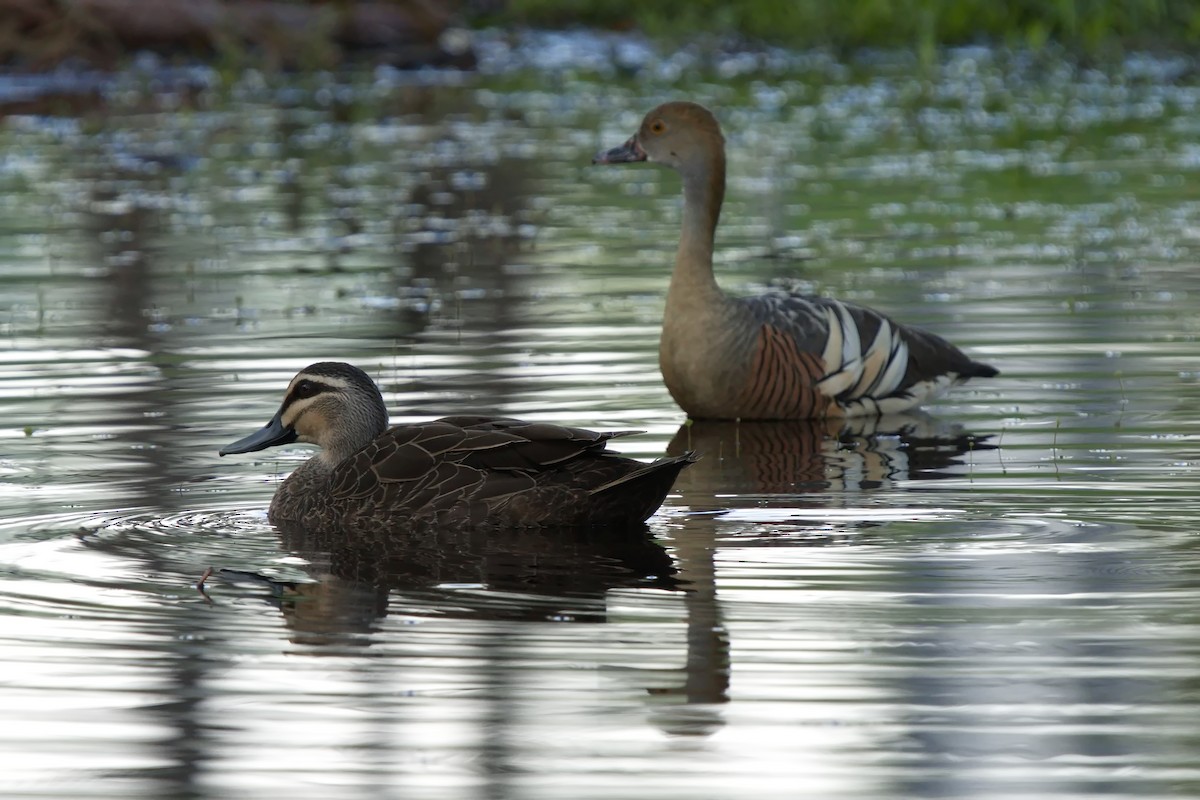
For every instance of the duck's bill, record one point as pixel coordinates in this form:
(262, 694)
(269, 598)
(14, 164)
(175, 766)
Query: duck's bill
(627, 153)
(270, 435)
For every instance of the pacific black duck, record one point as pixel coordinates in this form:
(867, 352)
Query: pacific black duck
(461, 470)
(778, 355)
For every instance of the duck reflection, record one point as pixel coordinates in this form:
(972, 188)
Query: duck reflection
(516, 574)
(688, 704)
(771, 458)
(798, 456)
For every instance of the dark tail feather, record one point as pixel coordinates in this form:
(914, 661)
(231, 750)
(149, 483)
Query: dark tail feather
(978, 370)
(632, 498)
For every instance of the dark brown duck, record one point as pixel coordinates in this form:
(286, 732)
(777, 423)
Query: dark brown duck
(463, 470)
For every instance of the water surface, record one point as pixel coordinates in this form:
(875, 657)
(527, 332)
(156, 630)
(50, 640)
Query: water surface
(996, 597)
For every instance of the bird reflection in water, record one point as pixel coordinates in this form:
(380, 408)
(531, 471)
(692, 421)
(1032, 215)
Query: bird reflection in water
(500, 574)
(813, 456)
(757, 459)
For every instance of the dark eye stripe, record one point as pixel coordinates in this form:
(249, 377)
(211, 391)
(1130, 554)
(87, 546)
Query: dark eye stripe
(306, 388)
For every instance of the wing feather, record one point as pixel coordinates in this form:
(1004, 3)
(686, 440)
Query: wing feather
(902, 365)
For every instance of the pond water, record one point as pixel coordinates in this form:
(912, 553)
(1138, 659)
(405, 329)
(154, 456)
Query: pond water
(999, 597)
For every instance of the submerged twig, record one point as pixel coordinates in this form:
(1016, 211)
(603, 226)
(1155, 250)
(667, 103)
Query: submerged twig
(200, 583)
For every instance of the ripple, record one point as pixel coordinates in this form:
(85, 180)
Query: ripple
(220, 521)
(838, 515)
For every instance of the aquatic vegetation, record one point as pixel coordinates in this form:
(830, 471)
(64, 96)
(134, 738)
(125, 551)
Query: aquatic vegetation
(1089, 25)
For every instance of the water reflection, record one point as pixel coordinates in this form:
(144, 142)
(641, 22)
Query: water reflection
(515, 574)
(691, 706)
(559, 576)
(816, 456)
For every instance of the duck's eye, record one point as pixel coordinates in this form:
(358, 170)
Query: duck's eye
(658, 126)
(306, 389)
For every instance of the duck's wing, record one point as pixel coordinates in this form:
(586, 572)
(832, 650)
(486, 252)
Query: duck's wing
(855, 356)
(438, 466)
(577, 479)
(537, 444)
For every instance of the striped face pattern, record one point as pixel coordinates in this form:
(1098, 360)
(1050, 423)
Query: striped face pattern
(301, 398)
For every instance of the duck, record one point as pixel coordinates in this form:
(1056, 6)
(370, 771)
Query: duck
(463, 471)
(780, 355)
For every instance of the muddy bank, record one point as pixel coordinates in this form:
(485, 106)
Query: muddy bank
(35, 34)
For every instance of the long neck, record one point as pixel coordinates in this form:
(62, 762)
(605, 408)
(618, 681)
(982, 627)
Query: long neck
(703, 193)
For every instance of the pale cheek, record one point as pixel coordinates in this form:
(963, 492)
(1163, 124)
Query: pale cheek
(305, 432)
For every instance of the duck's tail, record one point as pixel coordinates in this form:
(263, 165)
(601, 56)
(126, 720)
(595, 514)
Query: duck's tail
(637, 494)
(977, 369)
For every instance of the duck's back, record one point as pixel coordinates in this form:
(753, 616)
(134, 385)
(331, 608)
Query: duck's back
(791, 356)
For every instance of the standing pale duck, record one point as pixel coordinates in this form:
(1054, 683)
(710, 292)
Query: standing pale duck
(461, 471)
(777, 355)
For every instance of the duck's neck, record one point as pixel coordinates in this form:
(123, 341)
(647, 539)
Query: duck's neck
(359, 425)
(321, 465)
(318, 469)
(703, 192)
(303, 490)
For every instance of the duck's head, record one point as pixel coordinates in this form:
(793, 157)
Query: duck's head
(330, 404)
(679, 134)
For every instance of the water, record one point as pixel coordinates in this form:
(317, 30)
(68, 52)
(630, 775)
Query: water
(996, 598)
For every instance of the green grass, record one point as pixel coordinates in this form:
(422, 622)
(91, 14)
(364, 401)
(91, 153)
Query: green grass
(1090, 26)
